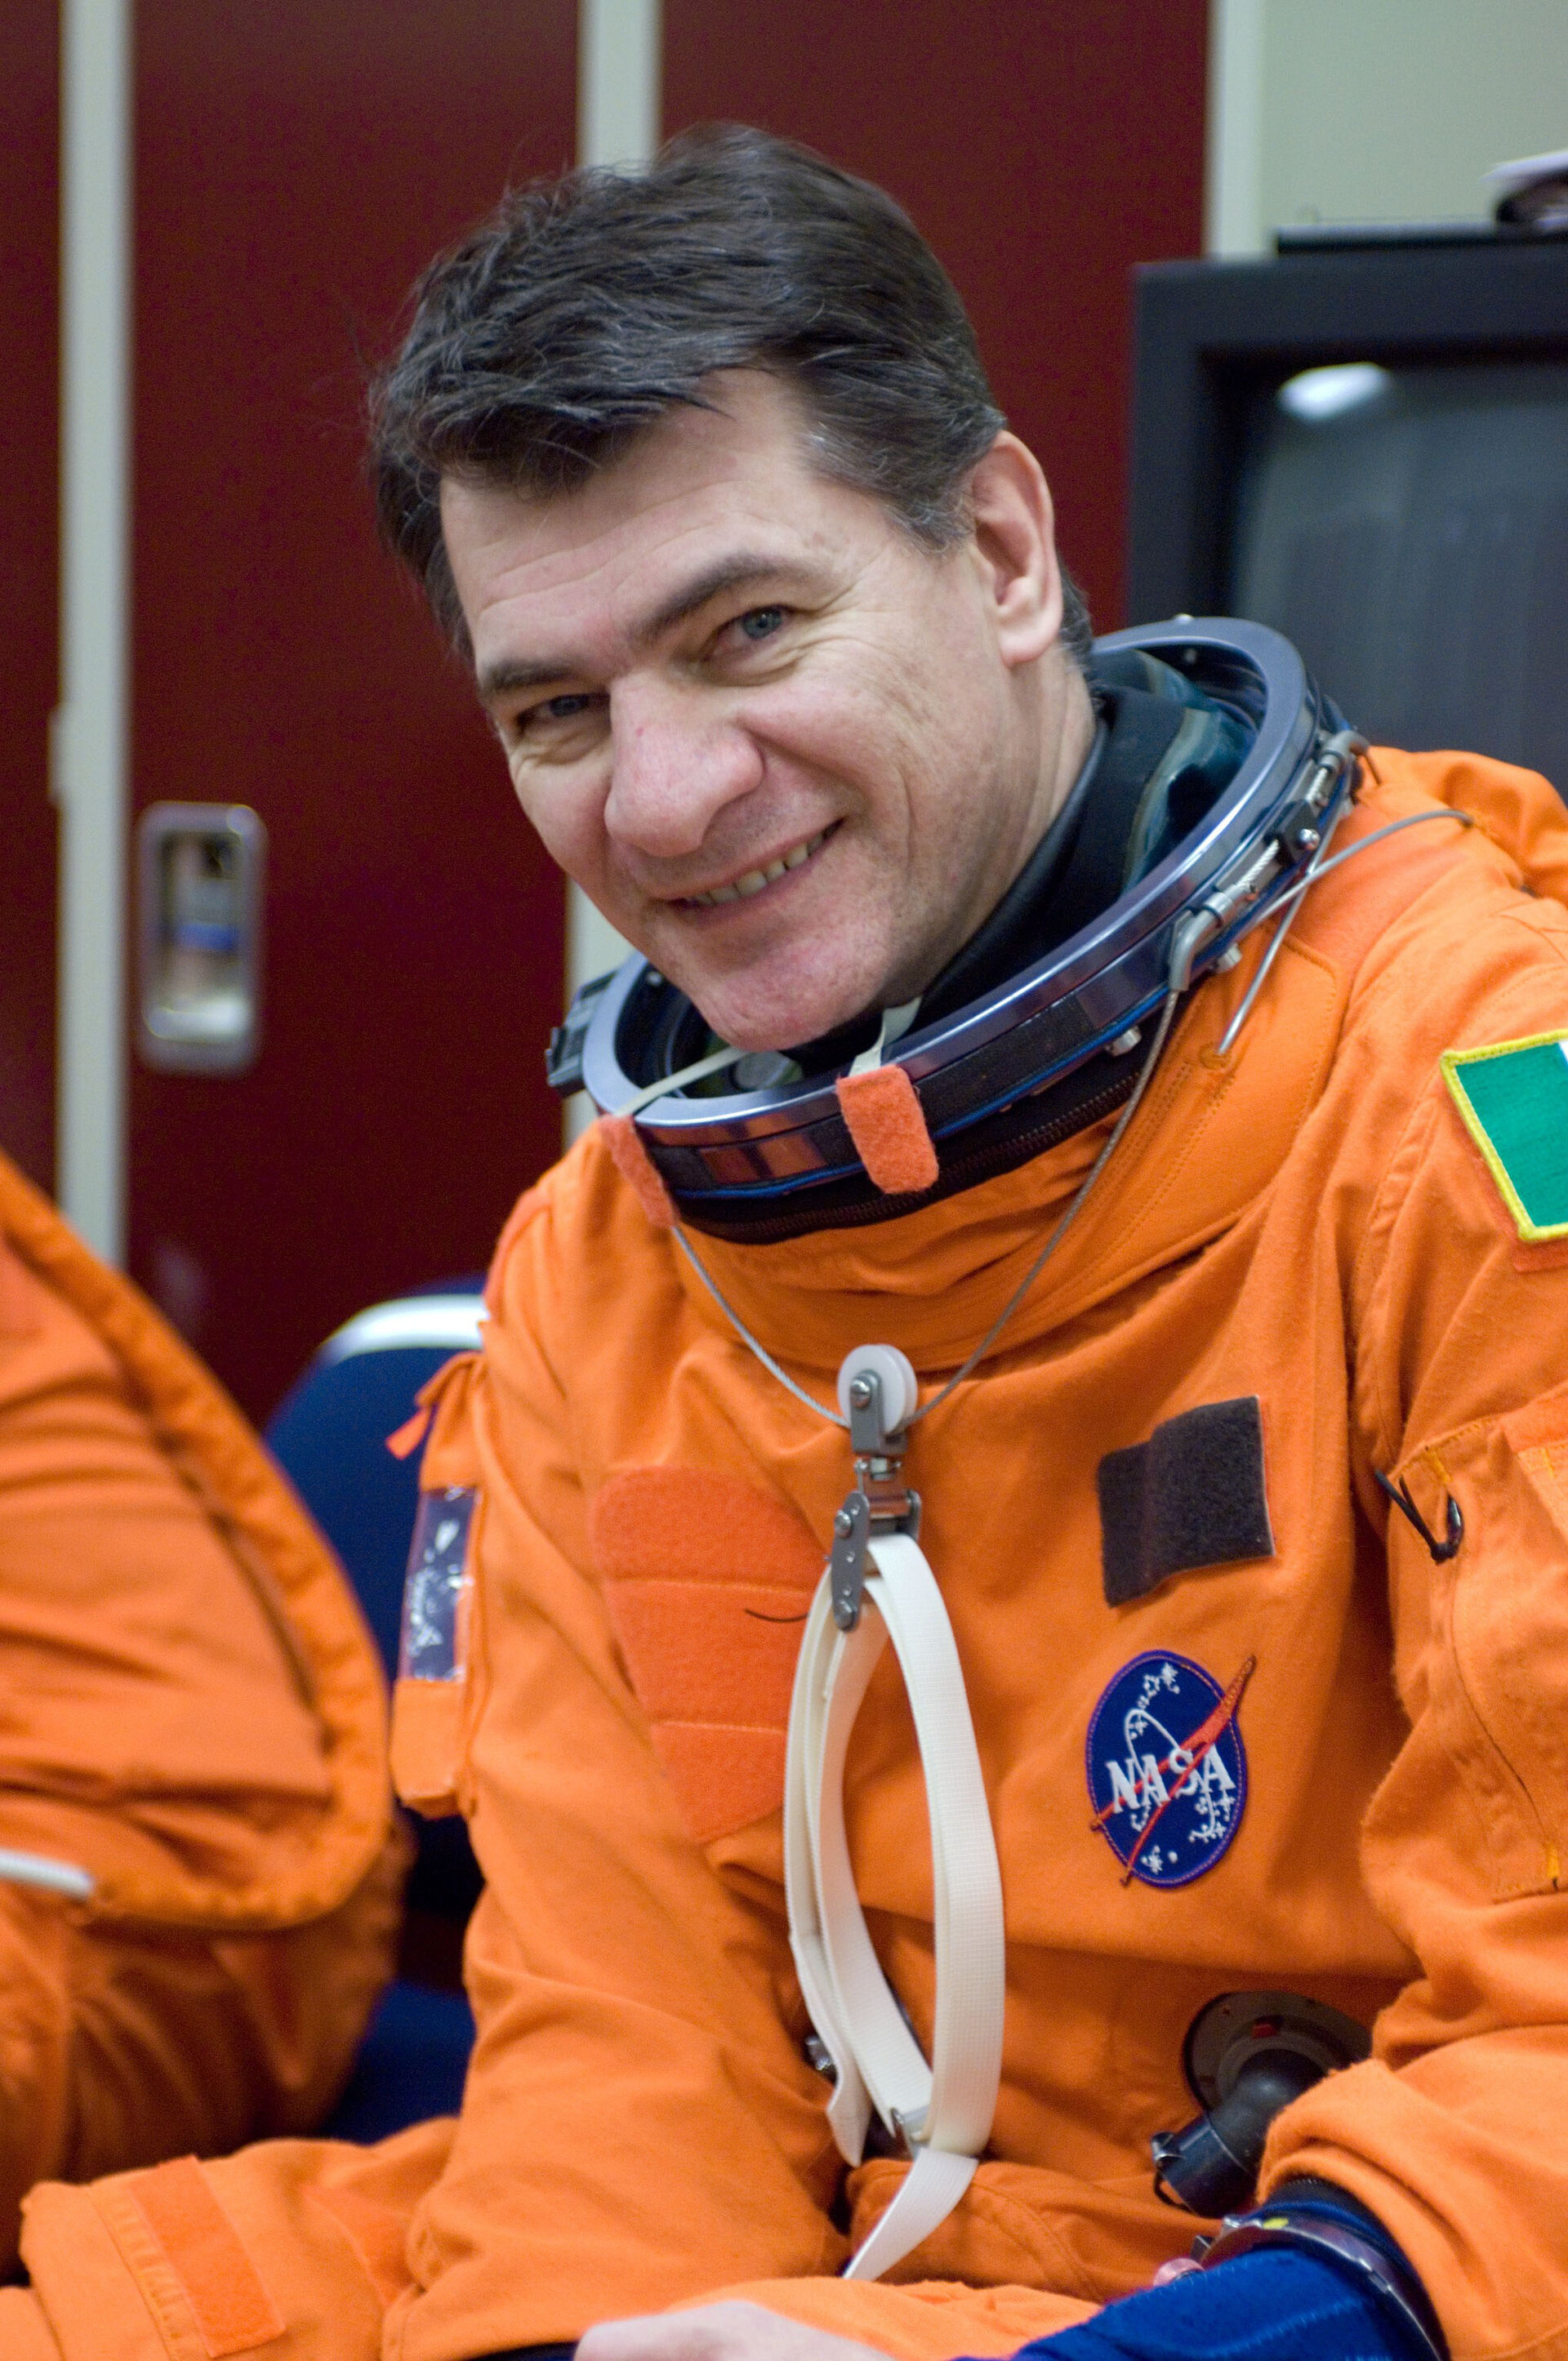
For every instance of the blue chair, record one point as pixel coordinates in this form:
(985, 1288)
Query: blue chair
(329, 1434)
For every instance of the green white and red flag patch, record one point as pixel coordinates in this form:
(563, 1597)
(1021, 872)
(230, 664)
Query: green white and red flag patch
(1513, 1100)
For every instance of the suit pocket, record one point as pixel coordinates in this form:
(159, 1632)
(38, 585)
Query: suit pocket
(1499, 1680)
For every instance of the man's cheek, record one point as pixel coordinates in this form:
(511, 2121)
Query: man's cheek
(561, 829)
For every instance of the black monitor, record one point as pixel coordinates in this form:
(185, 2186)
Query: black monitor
(1367, 448)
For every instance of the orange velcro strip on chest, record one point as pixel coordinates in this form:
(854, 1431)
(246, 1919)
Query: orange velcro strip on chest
(232, 2309)
(635, 1167)
(882, 1112)
(706, 1583)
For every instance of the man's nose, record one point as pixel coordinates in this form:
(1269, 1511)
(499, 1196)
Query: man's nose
(675, 763)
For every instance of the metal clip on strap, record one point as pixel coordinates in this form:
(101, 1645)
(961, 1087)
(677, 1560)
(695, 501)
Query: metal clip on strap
(877, 1391)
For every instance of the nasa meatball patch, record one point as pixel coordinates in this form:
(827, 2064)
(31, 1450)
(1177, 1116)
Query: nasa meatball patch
(1167, 1767)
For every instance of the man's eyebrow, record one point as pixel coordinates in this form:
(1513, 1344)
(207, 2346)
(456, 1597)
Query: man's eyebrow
(502, 677)
(735, 573)
(508, 675)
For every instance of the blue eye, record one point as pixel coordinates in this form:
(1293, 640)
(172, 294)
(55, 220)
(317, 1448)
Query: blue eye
(539, 721)
(762, 622)
(569, 707)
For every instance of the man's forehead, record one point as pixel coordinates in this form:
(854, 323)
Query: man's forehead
(694, 467)
(510, 545)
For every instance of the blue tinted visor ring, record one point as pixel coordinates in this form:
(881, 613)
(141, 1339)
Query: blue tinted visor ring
(777, 1161)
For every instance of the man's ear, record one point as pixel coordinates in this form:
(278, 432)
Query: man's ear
(1014, 540)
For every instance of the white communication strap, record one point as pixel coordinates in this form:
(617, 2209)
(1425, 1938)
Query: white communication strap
(944, 2109)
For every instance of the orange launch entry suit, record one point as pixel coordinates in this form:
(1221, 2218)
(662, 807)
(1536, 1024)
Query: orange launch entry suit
(190, 1711)
(1305, 1223)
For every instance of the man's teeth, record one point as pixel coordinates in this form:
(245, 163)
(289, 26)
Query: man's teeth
(755, 879)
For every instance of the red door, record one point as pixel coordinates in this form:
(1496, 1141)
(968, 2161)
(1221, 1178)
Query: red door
(1043, 147)
(296, 165)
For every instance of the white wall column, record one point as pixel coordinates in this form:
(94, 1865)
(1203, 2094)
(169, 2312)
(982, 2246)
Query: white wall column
(89, 752)
(619, 60)
(618, 66)
(1233, 176)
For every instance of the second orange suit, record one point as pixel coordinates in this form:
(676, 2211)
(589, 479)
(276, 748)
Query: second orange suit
(191, 1715)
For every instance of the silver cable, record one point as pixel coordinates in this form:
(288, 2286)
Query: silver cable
(1019, 1293)
(1365, 843)
(1289, 903)
(745, 1336)
(1068, 1219)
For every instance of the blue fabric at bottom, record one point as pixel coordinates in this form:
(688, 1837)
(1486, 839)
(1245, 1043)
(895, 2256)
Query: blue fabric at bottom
(411, 2064)
(1269, 2306)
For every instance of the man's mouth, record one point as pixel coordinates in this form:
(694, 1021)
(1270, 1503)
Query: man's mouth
(756, 880)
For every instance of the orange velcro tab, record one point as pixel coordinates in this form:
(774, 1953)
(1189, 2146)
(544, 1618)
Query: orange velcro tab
(232, 2309)
(635, 1167)
(887, 1125)
(427, 1738)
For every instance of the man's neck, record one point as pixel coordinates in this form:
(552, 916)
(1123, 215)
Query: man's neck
(1062, 759)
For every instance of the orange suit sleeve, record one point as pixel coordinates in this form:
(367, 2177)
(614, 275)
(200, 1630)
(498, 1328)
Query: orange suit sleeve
(1452, 2132)
(156, 1730)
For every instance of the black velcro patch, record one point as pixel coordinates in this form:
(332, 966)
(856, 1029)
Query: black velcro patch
(1192, 1495)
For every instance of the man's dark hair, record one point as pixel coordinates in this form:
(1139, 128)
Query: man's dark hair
(588, 306)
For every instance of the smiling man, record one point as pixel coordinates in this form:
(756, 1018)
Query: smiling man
(1137, 1114)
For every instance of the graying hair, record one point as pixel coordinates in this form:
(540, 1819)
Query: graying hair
(588, 307)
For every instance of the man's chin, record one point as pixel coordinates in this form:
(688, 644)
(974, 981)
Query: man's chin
(784, 1025)
(753, 1010)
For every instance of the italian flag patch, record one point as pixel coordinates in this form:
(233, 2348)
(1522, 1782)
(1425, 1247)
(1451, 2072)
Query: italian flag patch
(1513, 1098)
